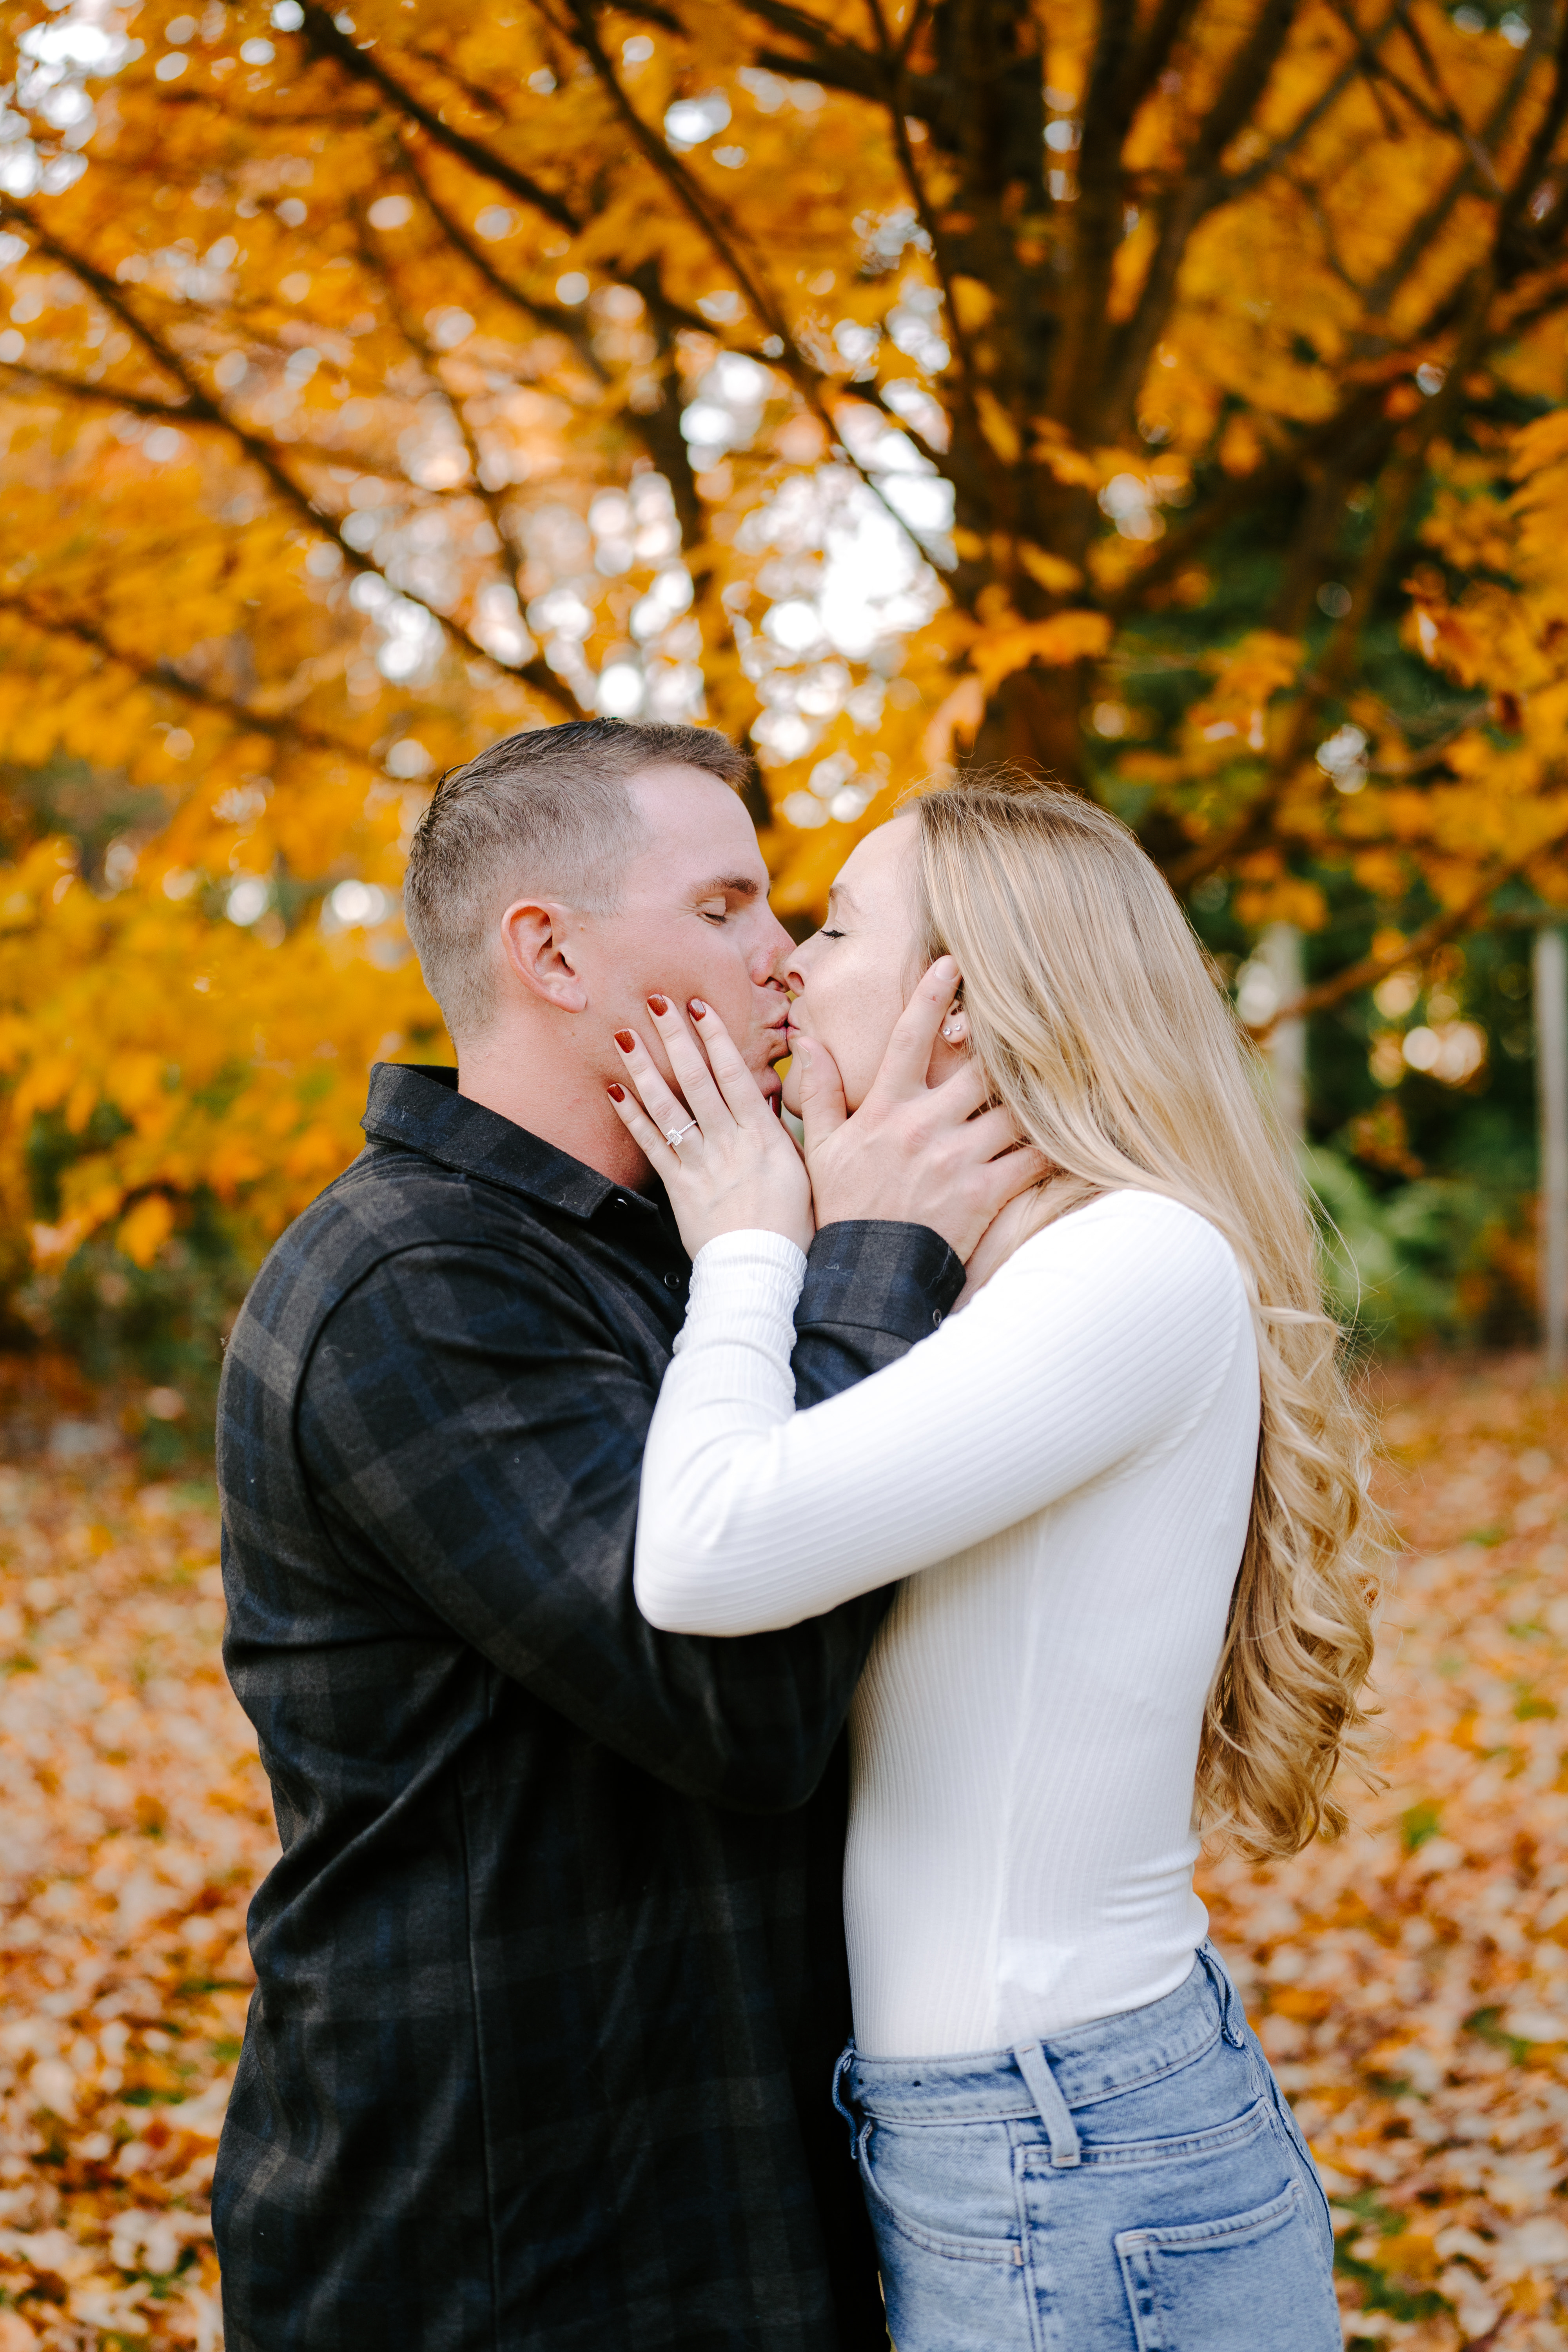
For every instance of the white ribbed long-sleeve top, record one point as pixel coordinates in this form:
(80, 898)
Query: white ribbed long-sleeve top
(1062, 1474)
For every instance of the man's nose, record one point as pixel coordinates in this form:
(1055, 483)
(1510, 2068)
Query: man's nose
(779, 949)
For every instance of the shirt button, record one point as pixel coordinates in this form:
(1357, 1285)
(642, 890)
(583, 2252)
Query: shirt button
(936, 1319)
(620, 1200)
(673, 1281)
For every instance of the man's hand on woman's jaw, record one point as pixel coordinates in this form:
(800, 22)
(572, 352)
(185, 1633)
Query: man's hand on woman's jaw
(913, 1153)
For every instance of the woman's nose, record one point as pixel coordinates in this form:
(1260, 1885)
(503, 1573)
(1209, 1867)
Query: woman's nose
(776, 970)
(796, 965)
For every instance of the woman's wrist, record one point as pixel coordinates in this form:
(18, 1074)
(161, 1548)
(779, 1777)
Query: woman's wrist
(759, 1245)
(750, 1277)
(723, 1224)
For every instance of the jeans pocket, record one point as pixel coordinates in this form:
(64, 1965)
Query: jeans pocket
(949, 2191)
(1233, 2284)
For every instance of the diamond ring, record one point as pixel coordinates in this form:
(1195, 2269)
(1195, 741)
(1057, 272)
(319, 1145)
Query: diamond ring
(672, 1135)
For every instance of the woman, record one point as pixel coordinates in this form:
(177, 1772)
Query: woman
(1123, 1488)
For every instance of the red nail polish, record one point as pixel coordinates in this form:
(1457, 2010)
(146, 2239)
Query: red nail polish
(659, 1007)
(625, 1040)
(697, 1008)
(617, 1094)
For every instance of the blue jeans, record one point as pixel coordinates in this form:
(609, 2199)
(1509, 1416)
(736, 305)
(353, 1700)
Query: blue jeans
(1136, 2185)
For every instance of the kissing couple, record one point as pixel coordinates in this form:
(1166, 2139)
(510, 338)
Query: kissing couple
(745, 1644)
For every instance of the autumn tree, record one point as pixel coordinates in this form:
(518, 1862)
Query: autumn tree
(1166, 396)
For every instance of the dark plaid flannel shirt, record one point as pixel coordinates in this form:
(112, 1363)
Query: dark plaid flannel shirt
(551, 1974)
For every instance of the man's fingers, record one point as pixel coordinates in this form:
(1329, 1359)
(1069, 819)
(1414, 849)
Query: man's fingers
(913, 1041)
(740, 1089)
(822, 1105)
(993, 1131)
(962, 1092)
(1014, 1173)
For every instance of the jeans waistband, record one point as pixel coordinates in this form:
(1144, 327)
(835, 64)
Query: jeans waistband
(1048, 2078)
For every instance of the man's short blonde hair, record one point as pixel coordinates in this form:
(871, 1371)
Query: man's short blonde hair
(546, 811)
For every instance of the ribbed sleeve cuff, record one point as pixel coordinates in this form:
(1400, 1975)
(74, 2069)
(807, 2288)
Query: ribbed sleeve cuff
(744, 1286)
(901, 1279)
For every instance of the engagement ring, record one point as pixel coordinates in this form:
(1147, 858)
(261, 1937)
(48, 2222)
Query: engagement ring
(672, 1135)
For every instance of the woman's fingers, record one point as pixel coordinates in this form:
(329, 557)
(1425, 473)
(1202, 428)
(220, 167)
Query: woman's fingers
(664, 1107)
(688, 1063)
(643, 1132)
(736, 1084)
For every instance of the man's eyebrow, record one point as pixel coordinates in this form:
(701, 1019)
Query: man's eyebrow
(728, 886)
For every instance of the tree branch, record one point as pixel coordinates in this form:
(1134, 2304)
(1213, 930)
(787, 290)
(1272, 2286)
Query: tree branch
(667, 448)
(493, 504)
(1241, 184)
(1415, 949)
(1240, 491)
(1096, 228)
(552, 316)
(322, 34)
(166, 678)
(201, 408)
(1512, 232)
(895, 98)
(1148, 58)
(1417, 238)
(170, 412)
(1113, 386)
(842, 64)
(807, 379)
(1325, 682)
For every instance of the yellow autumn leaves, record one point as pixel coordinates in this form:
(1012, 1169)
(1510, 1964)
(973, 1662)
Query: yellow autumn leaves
(364, 395)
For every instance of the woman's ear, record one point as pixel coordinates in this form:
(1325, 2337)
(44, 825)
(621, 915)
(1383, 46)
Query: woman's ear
(951, 1050)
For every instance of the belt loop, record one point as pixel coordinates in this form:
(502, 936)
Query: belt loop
(847, 2060)
(1226, 1994)
(1060, 2130)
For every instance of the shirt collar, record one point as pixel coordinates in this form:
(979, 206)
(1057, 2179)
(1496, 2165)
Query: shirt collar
(417, 1105)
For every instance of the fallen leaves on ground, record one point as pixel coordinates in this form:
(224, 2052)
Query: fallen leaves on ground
(134, 1822)
(1411, 1983)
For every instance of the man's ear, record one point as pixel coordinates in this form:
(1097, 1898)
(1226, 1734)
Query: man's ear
(540, 942)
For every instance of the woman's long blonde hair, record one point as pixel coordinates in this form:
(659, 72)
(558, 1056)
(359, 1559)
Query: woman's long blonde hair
(1101, 1025)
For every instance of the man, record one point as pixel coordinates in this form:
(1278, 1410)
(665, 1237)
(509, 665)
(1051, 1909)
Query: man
(550, 1975)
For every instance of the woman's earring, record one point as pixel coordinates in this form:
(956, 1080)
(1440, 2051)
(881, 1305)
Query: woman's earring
(952, 1029)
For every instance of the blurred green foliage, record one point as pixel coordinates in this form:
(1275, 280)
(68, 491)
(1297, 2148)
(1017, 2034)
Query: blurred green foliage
(1425, 1188)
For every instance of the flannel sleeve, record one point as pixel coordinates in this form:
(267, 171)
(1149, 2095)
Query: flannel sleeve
(473, 1437)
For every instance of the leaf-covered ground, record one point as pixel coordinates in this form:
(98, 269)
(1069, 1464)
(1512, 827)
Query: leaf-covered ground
(1411, 1984)
(134, 1824)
